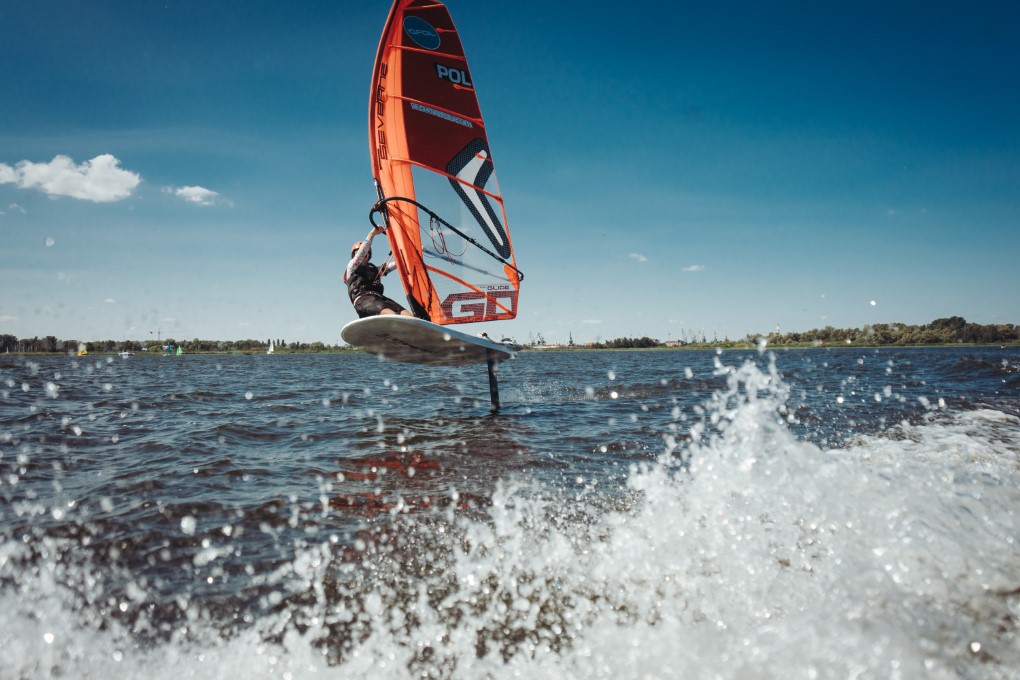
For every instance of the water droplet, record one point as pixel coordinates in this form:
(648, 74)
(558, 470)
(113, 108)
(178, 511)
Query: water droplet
(975, 647)
(49, 637)
(49, 241)
(248, 395)
(612, 375)
(873, 303)
(188, 525)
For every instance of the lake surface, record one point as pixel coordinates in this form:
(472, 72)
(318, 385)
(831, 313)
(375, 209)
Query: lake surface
(824, 513)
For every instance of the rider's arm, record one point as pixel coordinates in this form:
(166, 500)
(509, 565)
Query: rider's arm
(360, 255)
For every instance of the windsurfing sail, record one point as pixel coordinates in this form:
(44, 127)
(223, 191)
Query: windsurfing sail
(438, 194)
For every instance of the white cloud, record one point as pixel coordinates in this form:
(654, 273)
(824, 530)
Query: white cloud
(638, 257)
(591, 321)
(100, 180)
(7, 318)
(196, 194)
(694, 268)
(110, 301)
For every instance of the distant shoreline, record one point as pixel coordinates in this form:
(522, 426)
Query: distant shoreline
(954, 331)
(746, 346)
(535, 349)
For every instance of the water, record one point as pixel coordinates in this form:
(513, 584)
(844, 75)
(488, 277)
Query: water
(812, 513)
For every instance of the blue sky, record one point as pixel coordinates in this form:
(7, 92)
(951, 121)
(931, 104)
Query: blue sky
(199, 169)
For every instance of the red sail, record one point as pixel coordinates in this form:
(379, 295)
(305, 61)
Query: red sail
(431, 158)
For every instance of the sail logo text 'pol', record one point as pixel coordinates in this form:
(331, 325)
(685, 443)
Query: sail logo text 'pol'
(453, 75)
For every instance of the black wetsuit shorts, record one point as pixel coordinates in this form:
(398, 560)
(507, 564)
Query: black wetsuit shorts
(372, 304)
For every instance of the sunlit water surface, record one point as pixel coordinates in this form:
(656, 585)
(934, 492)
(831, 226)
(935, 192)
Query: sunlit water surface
(812, 513)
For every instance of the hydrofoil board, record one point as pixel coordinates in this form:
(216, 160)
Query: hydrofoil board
(416, 341)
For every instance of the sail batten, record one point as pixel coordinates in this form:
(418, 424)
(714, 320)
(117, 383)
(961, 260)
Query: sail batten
(431, 159)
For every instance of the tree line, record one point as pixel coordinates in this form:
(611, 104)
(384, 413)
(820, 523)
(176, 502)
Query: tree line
(953, 330)
(51, 344)
(628, 343)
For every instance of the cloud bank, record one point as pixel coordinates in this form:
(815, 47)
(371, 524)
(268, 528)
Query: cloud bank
(638, 256)
(100, 180)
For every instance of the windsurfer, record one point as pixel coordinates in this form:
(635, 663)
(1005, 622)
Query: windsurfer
(364, 281)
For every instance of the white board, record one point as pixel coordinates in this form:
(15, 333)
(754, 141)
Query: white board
(415, 341)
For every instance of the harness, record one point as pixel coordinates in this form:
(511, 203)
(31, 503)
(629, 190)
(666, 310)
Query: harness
(364, 281)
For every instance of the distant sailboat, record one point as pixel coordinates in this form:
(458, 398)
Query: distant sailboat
(270, 350)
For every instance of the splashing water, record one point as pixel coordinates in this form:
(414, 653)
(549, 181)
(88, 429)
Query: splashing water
(742, 551)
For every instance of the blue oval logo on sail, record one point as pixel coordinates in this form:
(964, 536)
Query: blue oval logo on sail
(421, 32)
